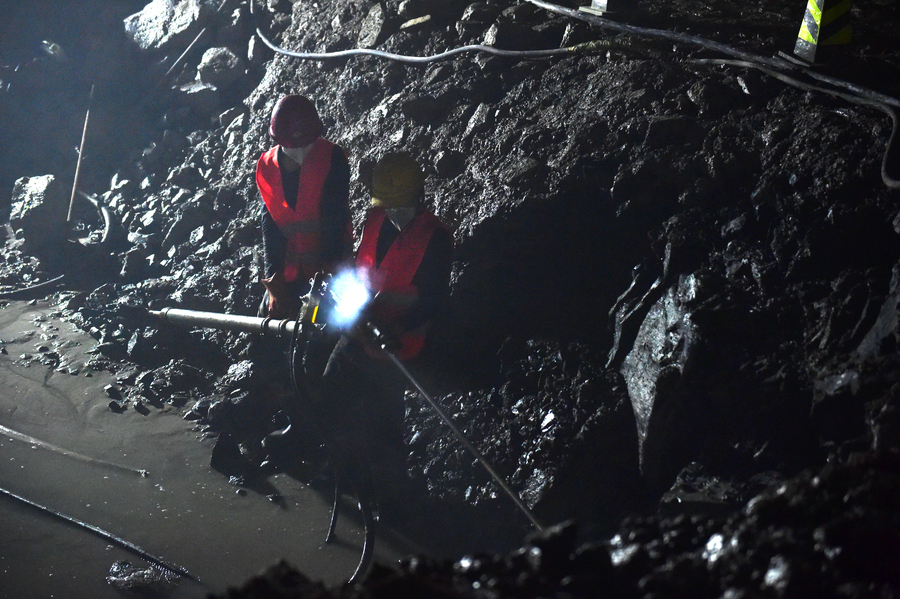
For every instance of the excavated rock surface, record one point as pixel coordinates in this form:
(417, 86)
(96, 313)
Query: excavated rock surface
(674, 294)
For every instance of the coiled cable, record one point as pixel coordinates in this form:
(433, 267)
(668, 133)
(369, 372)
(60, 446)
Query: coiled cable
(853, 98)
(774, 67)
(300, 339)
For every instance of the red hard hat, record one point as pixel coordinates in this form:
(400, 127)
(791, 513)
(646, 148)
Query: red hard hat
(295, 122)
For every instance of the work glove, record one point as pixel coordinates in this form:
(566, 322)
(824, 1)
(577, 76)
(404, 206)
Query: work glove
(388, 340)
(282, 302)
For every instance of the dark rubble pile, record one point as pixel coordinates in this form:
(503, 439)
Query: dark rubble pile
(675, 286)
(829, 534)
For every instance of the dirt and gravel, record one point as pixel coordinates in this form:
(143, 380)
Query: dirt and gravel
(675, 298)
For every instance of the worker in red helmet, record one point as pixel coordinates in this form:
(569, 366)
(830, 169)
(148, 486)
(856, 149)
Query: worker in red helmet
(304, 182)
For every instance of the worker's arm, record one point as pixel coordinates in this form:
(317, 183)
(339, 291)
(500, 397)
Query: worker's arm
(424, 297)
(273, 243)
(432, 281)
(336, 238)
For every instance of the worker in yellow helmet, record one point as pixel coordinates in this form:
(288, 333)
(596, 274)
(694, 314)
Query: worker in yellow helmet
(405, 254)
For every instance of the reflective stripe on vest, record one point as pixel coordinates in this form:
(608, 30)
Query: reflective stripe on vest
(298, 225)
(393, 277)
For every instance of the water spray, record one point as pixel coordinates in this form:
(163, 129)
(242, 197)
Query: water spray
(351, 295)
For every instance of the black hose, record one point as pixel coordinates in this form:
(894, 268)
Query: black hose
(367, 509)
(365, 505)
(659, 33)
(164, 566)
(26, 291)
(772, 66)
(335, 509)
(856, 89)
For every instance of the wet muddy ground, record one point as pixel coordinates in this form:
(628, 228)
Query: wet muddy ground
(182, 511)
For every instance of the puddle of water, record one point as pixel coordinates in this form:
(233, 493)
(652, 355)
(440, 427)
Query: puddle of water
(183, 512)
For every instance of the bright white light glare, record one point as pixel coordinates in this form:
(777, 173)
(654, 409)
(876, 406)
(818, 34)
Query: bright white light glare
(351, 294)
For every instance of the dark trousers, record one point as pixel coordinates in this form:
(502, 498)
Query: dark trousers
(359, 406)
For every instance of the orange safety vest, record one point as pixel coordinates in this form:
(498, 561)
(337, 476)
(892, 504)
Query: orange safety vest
(396, 271)
(300, 224)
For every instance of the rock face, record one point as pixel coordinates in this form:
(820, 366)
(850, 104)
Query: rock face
(822, 543)
(883, 338)
(220, 67)
(39, 208)
(663, 354)
(675, 281)
(163, 24)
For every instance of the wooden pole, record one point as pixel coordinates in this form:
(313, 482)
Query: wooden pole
(87, 116)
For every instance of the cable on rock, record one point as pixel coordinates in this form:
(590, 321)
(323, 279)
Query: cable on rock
(853, 98)
(26, 291)
(579, 48)
(774, 67)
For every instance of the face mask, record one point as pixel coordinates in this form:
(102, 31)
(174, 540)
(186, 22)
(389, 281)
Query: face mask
(296, 154)
(401, 216)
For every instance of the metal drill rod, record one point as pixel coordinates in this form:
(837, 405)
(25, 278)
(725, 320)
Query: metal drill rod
(468, 445)
(228, 322)
(282, 328)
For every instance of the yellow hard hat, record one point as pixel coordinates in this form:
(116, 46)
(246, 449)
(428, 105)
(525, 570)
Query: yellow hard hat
(397, 181)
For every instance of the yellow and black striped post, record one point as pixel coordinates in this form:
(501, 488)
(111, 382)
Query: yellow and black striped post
(826, 23)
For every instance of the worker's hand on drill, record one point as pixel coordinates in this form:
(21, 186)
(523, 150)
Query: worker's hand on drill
(370, 333)
(388, 340)
(282, 303)
(380, 325)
